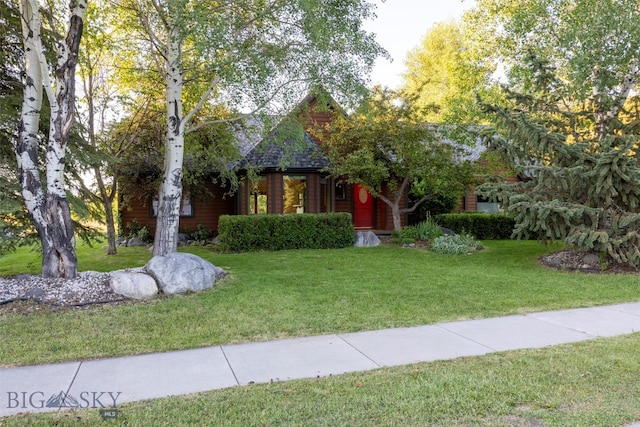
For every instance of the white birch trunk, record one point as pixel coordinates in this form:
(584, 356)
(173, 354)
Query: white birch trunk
(49, 212)
(27, 145)
(170, 194)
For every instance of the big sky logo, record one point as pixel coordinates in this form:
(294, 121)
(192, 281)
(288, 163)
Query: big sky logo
(86, 399)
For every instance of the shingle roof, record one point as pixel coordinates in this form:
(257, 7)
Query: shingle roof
(291, 152)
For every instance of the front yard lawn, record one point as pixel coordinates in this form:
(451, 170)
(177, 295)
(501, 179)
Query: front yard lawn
(296, 293)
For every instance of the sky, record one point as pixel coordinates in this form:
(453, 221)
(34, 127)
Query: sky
(400, 27)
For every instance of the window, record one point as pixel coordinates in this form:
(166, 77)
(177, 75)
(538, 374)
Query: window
(325, 195)
(341, 191)
(258, 196)
(186, 208)
(294, 197)
(485, 205)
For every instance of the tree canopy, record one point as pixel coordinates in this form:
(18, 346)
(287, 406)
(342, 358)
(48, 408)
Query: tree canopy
(570, 121)
(444, 77)
(385, 145)
(248, 55)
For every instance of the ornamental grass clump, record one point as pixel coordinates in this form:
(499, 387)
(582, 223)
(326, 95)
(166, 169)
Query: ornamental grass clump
(428, 229)
(456, 244)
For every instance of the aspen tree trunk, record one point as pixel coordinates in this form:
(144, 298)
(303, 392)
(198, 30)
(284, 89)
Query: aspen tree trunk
(28, 129)
(59, 255)
(49, 212)
(170, 194)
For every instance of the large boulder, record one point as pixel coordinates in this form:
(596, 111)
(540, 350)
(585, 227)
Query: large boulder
(366, 239)
(178, 273)
(132, 284)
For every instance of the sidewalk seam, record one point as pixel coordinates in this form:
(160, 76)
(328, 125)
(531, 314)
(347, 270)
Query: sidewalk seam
(229, 365)
(358, 350)
(66, 393)
(440, 325)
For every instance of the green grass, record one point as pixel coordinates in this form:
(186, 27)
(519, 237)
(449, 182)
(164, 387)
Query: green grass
(594, 383)
(305, 292)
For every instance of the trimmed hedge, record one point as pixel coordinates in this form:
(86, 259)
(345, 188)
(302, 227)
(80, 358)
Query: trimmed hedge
(483, 226)
(244, 233)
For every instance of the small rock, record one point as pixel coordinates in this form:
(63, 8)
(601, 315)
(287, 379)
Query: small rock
(133, 285)
(220, 272)
(446, 231)
(34, 293)
(366, 239)
(591, 259)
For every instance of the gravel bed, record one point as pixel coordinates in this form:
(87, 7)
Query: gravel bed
(89, 287)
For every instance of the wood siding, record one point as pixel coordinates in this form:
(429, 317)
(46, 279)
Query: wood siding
(206, 212)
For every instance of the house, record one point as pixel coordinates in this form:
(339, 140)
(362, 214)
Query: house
(280, 174)
(487, 164)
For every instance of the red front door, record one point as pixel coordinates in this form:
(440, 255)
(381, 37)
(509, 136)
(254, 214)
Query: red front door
(363, 207)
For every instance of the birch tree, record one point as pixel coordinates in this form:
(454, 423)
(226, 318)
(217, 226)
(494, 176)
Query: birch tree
(249, 55)
(47, 202)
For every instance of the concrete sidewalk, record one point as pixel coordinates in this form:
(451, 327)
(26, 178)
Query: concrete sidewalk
(104, 383)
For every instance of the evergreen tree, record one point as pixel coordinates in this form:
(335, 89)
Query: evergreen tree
(580, 160)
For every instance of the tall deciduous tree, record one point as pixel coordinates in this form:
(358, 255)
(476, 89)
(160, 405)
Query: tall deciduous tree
(100, 101)
(48, 206)
(248, 54)
(443, 75)
(15, 226)
(386, 147)
(593, 45)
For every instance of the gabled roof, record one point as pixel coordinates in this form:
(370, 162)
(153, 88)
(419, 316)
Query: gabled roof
(274, 152)
(285, 147)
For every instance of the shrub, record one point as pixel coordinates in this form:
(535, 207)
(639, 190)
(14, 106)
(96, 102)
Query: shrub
(138, 230)
(455, 244)
(438, 203)
(428, 229)
(279, 232)
(482, 225)
(424, 231)
(202, 233)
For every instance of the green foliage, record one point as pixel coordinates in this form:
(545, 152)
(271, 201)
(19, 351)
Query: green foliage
(590, 43)
(428, 229)
(201, 233)
(442, 77)
(440, 201)
(138, 230)
(583, 183)
(424, 231)
(279, 232)
(482, 225)
(406, 235)
(456, 244)
(386, 147)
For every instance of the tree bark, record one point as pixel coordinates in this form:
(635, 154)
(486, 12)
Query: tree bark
(106, 198)
(28, 129)
(59, 260)
(395, 203)
(170, 194)
(49, 212)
